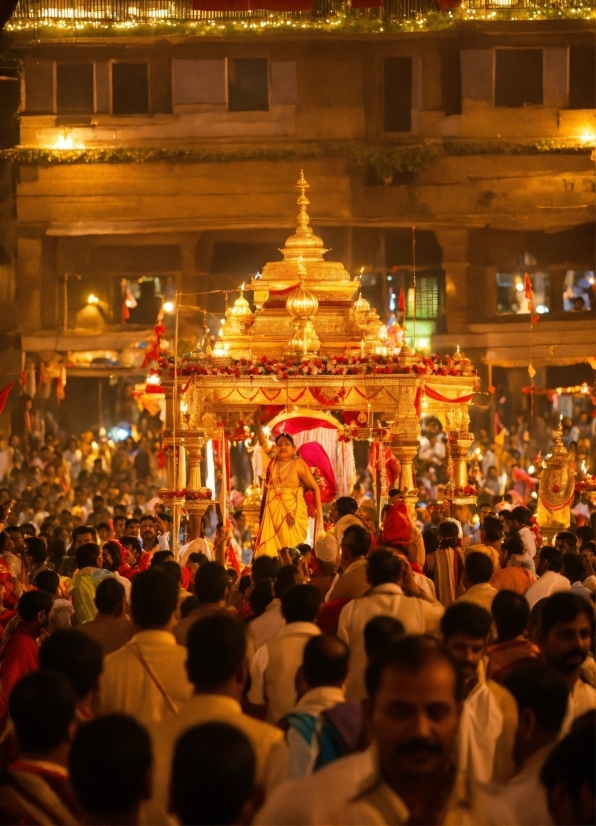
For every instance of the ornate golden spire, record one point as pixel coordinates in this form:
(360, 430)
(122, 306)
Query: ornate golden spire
(304, 242)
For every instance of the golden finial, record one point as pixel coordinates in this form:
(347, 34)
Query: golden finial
(303, 202)
(304, 238)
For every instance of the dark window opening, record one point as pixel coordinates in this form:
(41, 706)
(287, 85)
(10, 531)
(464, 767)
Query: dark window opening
(582, 77)
(247, 259)
(130, 88)
(451, 82)
(248, 84)
(518, 77)
(74, 92)
(398, 94)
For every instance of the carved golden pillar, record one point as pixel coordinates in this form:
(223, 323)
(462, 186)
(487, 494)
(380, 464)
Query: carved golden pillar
(170, 467)
(405, 434)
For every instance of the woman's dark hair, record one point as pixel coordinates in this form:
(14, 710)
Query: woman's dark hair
(260, 596)
(114, 552)
(284, 436)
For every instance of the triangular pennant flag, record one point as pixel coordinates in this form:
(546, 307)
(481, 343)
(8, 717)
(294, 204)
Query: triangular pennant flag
(528, 292)
(4, 394)
(402, 301)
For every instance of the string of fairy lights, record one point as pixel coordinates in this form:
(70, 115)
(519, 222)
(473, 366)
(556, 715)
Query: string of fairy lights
(341, 22)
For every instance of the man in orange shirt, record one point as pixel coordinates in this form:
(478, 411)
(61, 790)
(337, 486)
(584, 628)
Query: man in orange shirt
(19, 649)
(512, 576)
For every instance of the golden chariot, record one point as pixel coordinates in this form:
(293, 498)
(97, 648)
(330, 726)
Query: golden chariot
(312, 342)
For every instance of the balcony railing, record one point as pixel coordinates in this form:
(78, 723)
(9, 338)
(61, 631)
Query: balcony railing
(323, 11)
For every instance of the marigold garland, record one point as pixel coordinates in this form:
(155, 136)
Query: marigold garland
(339, 365)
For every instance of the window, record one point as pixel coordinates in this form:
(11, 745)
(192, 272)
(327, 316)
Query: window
(578, 293)
(130, 88)
(427, 297)
(518, 77)
(248, 84)
(511, 296)
(74, 92)
(398, 94)
(582, 77)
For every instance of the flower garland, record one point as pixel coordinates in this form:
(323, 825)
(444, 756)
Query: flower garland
(338, 365)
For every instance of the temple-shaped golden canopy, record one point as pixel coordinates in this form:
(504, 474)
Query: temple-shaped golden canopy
(302, 285)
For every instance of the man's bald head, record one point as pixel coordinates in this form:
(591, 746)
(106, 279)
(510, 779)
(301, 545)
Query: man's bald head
(325, 661)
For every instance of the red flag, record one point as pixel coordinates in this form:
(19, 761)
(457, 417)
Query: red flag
(4, 394)
(528, 292)
(402, 301)
(125, 311)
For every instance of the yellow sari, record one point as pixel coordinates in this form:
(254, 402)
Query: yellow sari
(285, 521)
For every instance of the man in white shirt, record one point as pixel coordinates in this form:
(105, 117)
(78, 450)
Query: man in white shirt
(566, 632)
(414, 706)
(574, 569)
(267, 625)
(550, 561)
(489, 716)
(478, 570)
(394, 593)
(521, 519)
(275, 665)
(342, 514)
(216, 667)
(541, 697)
(320, 684)
(146, 678)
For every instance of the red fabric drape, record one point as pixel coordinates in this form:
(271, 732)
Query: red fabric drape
(438, 397)
(366, 4)
(300, 423)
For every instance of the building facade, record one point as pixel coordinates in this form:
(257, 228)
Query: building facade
(457, 158)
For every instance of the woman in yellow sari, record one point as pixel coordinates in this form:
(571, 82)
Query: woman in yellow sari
(284, 523)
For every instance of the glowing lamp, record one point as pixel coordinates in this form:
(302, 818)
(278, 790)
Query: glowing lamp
(168, 306)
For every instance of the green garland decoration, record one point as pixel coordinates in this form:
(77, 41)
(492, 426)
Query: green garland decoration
(386, 162)
(277, 22)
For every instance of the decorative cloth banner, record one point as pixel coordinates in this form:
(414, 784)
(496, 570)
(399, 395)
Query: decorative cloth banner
(300, 423)
(252, 5)
(438, 397)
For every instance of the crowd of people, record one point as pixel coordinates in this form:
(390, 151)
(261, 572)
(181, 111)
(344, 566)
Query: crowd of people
(431, 666)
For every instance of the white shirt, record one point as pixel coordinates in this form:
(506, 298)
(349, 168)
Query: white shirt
(417, 615)
(127, 688)
(310, 800)
(374, 803)
(549, 583)
(487, 732)
(529, 540)
(126, 584)
(303, 755)
(265, 628)
(579, 588)
(525, 795)
(581, 700)
(274, 667)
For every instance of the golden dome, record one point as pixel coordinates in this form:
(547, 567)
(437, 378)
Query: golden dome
(301, 302)
(241, 307)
